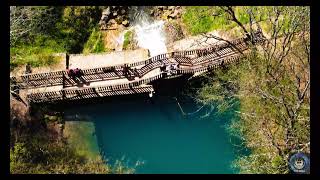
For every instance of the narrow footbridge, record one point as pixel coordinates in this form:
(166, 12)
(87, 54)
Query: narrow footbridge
(131, 78)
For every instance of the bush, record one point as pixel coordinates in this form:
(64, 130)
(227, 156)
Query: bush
(128, 38)
(203, 19)
(198, 19)
(77, 24)
(38, 154)
(36, 56)
(95, 43)
(67, 32)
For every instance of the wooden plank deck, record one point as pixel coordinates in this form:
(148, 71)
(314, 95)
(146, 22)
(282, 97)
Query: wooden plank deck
(112, 80)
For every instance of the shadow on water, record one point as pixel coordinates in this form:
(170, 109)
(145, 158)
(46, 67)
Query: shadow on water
(154, 131)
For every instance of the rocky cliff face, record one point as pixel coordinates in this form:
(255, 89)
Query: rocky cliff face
(115, 19)
(166, 12)
(173, 32)
(114, 16)
(171, 15)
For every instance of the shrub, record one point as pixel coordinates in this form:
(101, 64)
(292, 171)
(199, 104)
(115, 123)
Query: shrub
(198, 19)
(128, 37)
(203, 19)
(95, 43)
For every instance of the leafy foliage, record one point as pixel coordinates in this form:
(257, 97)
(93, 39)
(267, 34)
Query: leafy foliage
(41, 54)
(51, 30)
(29, 21)
(76, 25)
(202, 19)
(95, 43)
(272, 85)
(39, 156)
(36, 148)
(128, 38)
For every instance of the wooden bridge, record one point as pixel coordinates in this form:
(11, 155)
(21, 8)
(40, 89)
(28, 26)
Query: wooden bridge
(130, 78)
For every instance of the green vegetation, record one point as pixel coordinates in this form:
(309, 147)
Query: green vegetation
(128, 38)
(94, 43)
(202, 19)
(37, 155)
(36, 146)
(80, 135)
(41, 54)
(49, 118)
(272, 86)
(49, 30)
(198, 19)
(76, 25)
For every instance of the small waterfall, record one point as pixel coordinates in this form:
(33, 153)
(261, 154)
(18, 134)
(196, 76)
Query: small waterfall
(119, 41)
(149, 33)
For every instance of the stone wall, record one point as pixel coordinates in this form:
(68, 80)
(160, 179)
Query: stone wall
(107, 59)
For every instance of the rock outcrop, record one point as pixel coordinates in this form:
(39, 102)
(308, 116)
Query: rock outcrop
(114, 16)
(173, 32)
(166, 12)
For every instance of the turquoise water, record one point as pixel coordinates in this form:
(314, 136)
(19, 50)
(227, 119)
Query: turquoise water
(156, 133)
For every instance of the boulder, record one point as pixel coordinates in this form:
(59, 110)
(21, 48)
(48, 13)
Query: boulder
(171, 7)
(173, 32)
(125, 23)
(119, 19)
(106, 12)
(152, 12)
(123, 11)
(174, 14)
(112, 21)
(112, 24)
(166, 14)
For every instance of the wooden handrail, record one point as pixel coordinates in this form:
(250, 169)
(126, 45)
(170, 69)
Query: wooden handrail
(210, 58)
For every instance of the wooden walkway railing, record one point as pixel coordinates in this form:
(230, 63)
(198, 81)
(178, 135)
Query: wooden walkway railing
(115, 72)
(211, 65)
(78, 94)
(120, 89)
(98, 91)
(203, 60)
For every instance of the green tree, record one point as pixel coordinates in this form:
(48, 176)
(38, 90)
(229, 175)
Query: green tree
(273, 88)
(77, 24)
(28, 21)
(34, 149)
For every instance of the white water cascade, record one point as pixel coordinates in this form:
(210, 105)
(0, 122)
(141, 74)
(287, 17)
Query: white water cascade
(119, 41)
(149, 33)
(151, 36)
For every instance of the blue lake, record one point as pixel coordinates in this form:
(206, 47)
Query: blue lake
(155, 132)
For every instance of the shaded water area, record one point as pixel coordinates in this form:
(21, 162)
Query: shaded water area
(155, 132)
